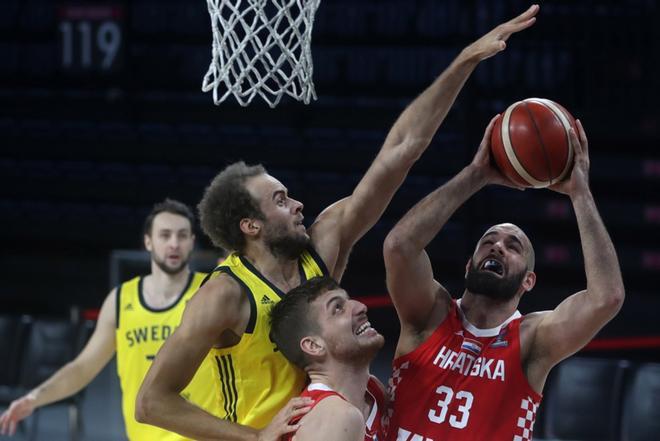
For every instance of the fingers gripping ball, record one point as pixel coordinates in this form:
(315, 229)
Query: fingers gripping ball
(531, 144)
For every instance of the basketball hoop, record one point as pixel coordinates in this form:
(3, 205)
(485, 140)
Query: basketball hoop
(261, 47)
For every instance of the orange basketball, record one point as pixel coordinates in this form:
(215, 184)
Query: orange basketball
(530, 142)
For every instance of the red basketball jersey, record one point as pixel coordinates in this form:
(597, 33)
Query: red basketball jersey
(462, 384)
(319, 391)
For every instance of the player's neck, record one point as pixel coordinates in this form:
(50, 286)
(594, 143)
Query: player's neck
(162, 288)
(484, 312)
(349, 381)
(280, 271)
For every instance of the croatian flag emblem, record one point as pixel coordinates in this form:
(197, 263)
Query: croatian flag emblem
(471, 346)
(500, 341)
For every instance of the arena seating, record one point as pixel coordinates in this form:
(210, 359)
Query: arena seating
(600, 399)
(83, 157)
(36, 347)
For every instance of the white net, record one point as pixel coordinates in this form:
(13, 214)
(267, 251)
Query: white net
(261, 47)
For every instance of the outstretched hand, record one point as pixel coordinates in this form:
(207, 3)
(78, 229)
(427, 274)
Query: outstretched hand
(578, 181)
(483, 163)
(495, 41)
(281, 422)
(18, 410)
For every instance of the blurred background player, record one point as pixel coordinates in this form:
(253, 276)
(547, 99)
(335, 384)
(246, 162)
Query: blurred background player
(475, 368)
(328, 335)
(251, 213)
(135, 319)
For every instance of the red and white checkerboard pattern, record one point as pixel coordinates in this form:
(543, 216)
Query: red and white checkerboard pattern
(393, 383)
(395, 379)
(526, 422)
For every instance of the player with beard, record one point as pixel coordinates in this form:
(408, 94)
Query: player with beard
(250, 212)
(474, 368)
(328, 335)
(135, 319)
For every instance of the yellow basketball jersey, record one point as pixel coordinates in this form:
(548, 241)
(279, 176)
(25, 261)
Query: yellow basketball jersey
(253, 379)
(141, 331)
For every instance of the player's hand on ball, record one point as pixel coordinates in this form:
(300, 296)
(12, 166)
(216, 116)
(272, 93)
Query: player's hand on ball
(280, 425)
(578, 181)
(484, 164)
(18, 410)
(495, 41)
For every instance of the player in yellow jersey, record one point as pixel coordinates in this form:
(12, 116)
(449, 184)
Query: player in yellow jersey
(135, 319)
(250, 212)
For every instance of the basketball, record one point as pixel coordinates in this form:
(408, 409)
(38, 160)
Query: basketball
(530, 143)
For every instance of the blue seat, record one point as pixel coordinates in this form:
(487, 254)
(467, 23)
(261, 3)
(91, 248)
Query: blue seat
(150, 17)
(116, 133)
(327, 65)
(157, 133)
(584, 401)
(158, 181)
(38, 60)
(12, 339)
(36, 16)
(321, 189)
(197, 57)
(50, 344)
(641, 409)
(41, 130)
(8, 55)
(9, 16)
(119, 182)
(196, 134)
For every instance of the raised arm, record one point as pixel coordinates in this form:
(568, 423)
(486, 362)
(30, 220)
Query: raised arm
(218, 308)
(73, 376)
(421, 302)
(577, 319)
(343, 223)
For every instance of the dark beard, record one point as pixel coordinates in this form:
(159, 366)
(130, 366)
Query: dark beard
(489, 285)
(169, 270)
(287, 246)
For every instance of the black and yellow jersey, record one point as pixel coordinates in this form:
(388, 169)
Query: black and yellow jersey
(253, 379)
(141, 331)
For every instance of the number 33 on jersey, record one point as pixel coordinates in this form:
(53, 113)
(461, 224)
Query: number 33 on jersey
(462, 384)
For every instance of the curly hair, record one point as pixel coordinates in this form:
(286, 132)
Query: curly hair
(225, 202)
(290, 319)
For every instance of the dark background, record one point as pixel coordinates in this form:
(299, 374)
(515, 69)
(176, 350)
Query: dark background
(86, 151)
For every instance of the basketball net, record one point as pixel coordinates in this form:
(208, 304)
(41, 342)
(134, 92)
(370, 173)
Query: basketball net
(261, 47)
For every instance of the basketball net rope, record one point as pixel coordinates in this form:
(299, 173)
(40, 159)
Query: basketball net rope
(259, 53)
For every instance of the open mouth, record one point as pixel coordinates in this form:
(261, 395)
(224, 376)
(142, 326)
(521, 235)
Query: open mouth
(364, 327)
(493, 266)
